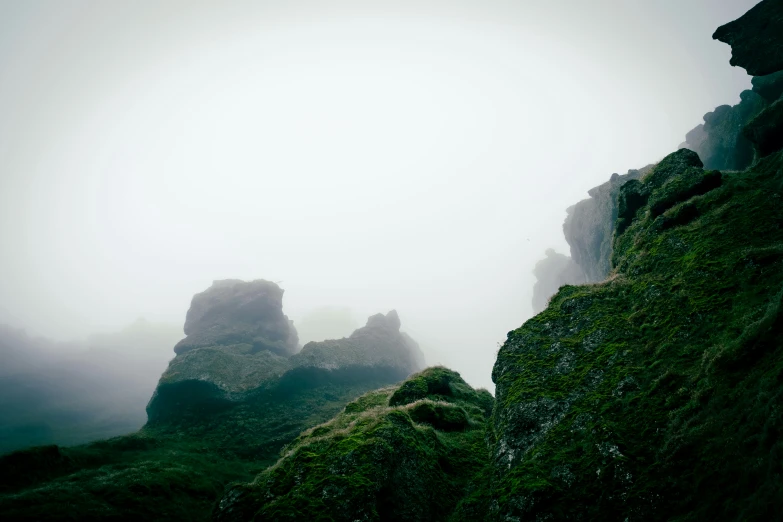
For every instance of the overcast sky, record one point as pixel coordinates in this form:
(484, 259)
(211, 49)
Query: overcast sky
(370, 155)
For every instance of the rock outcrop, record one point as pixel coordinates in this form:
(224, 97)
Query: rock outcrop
(589, 226)
(720, 141)
(552, 272)
(405, 452)
(756, 44)
(233, 312)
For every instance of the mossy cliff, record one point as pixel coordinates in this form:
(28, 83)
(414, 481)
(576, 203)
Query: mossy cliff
(405, 452)
(221, 412)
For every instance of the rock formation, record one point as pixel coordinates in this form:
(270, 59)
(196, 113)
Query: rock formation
(552, 272)
(755, 39)
(589, 225)
(720, 141)
(646, 396)
(234, 313)
(227, 403)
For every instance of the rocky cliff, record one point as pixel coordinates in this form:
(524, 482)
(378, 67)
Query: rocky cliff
(647, 396)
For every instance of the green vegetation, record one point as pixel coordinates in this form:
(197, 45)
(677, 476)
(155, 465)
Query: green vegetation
(656, 394)
(398, 453)
(173, 469)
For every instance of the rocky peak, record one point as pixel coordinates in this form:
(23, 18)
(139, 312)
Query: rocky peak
(390, 321)
(755, 39)
(233, 312)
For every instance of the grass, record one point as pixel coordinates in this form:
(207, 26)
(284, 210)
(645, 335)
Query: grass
(398, 453)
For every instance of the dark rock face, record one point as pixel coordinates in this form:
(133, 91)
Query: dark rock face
(769, 87)
(552, 272)
(233, 312)
(766, 130)
(645, 397)
(720, 142)
(589, 226)
(755, 39)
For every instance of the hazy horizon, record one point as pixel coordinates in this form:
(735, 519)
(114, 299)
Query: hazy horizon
(369, 156)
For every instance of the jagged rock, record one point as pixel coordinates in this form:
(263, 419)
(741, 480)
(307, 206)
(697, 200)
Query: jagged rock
(720, 142)
(766, 130)
(382, 458)
(755, 39)
(769, 87)
(233, 312)
(552, 272)
(377, 345)
(589, 225)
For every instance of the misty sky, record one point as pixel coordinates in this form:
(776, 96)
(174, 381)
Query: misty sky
(370, 155)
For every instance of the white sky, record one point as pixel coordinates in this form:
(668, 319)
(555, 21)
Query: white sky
(371, 155)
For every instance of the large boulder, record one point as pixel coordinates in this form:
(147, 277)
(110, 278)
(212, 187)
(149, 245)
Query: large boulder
(756, 44)
(233, 312)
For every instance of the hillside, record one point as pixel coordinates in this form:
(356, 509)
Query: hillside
(232, 397)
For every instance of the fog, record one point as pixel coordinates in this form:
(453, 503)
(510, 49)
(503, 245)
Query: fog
(368, 156)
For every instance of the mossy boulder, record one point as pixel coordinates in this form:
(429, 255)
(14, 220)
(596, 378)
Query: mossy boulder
(382, 458)
(655, 395)
(589, 226)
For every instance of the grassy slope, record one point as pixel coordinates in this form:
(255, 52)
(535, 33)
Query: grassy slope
(399, 453)
(657, 394)
(168, 470)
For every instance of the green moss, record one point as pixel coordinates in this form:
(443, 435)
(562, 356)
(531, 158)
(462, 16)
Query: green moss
(656, 394)
(386, 457)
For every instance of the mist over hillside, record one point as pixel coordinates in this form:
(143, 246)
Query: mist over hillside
(410, 261)
(70, 393)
